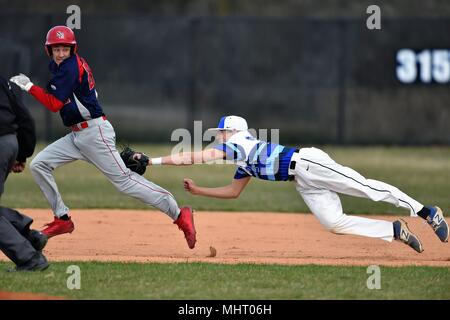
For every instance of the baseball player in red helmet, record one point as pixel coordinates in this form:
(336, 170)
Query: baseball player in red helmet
(71, 92)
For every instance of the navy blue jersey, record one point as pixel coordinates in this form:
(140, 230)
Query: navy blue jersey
(74, 85)
(260, 159)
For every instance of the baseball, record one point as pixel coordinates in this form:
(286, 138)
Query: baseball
(213, 252)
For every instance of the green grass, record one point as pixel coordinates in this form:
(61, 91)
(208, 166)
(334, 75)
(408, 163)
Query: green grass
(421, 172)
(215, 281)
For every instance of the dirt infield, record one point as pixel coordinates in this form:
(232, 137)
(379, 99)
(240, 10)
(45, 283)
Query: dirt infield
(265, 238)
(26, 296)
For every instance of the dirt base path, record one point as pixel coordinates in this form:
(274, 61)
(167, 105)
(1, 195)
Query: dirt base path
(26, 296)
(264, 238)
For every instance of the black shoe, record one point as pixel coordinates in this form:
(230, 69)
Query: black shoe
(37, 239)
(37, 263)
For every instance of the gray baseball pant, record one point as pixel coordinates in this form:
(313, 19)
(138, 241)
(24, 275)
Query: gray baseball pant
(96, 144)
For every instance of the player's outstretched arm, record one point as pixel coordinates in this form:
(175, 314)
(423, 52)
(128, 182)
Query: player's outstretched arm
(189, 158)
(48, 100)
(231, 191)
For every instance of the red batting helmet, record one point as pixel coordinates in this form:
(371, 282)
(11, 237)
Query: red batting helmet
(60, 35)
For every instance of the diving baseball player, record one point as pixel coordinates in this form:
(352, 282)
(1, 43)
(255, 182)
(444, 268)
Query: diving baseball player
(72, 92)
(318, 179)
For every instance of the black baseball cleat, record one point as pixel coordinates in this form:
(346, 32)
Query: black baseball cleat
(37, 239)
(37, 263)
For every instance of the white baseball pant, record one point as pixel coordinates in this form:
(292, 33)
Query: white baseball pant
(96, 144)
(319, 179)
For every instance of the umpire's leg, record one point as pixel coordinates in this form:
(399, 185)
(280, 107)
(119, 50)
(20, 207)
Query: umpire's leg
(9, 148)
(19, 221)
(22, 224)
(20, 244)
(12, 241)
(13, 244)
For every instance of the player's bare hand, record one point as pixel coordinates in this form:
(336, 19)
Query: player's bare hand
(190, 186)
(18, 167)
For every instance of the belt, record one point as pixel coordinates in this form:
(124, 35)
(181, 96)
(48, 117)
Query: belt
(89, 123)
(292, 165)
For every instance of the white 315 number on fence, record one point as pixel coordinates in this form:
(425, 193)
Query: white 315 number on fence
(426, 66)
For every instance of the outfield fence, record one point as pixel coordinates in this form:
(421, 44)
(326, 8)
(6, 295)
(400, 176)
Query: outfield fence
(318, 80)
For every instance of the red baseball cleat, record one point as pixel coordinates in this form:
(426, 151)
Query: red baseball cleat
(185, 222)
(58, 226)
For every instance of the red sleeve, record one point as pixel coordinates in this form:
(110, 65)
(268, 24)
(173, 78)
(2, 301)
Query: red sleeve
(48, 100)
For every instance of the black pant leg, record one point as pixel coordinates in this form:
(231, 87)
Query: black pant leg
(13, 244)
(20, 221)
(9, 148)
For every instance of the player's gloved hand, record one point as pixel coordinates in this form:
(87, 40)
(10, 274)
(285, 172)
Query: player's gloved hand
(135, 161)
(22, 81)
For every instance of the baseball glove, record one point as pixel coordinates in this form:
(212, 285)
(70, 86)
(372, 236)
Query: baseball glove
(135, 161)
